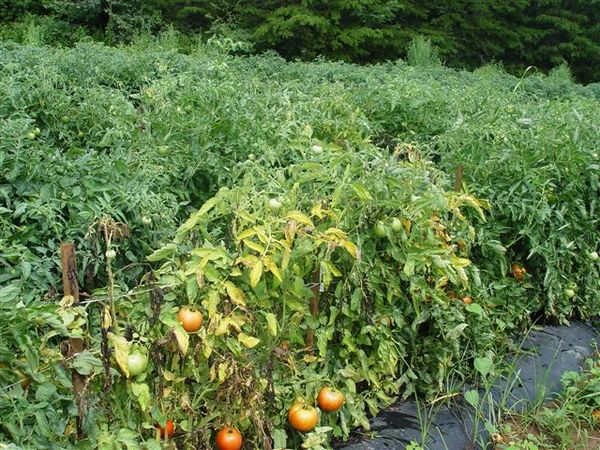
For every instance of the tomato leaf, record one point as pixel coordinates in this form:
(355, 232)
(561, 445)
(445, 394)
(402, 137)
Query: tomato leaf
(248, 341)
(121, 347)
(256, 273)
(271, 323)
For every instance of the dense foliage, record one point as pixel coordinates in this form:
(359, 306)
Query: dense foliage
(519, 34)
(238, 185)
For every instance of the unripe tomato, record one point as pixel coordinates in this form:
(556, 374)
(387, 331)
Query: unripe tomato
(168, 429)
(317, 148)
(146, 220)
(110, 254)
(136, 362)
(274, 204)
(31, 136)
(229, 438)
(330, 400)
(380, 230)
(163, 150)
(570, 293)
(36, 131)
(594, 256)
(80, 134)
(64, 119)
(190, 318)
(396, 224)
(303, 418)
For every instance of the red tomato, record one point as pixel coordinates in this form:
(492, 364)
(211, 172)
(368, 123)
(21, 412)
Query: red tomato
(229, 438)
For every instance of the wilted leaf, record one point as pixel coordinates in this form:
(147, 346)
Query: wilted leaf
(300, 218)
(182, 338)
(121, 347)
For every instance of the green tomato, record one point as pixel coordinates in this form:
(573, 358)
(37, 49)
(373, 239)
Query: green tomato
(64, 119)
(31, 136)
(146, 220)
(81, 134)
(396, 224)
(570, 293)
(380, 230)
(136, 362)
(110, 254)
(317, 148)
(36, 131)
(274, 204)
(594, 256)
(163, 150)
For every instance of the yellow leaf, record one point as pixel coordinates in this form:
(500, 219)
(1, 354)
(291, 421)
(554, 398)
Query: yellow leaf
(285, 261)
(300, 218)
(223, 327)
(106, 318)
(340, 234)
(459, 262)
(271, 323)
(351, 248)
(223, 371)
(310, 358)
(290, 231)
(235, 293)
(272, 267)
(246, 234)
(121, 347)
(254, 246)
(256, 274)
(248, 341)
(182, 338)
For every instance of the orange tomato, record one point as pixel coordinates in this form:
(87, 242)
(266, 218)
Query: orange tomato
(168, 429)
(303, 417)
(330, 400)
(229, 438)
(467, 300)
(190, 318)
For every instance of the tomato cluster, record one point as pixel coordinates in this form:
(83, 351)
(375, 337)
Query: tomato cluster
(304, 418)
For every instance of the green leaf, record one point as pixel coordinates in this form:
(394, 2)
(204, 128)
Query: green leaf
(483, 365)
(472, 398)
(85, 363)
(475, 309)
(279, 439)
(142, 393)
(195, 218)
(162, 253)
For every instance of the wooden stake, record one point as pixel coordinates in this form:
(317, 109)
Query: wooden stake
(76, 345)
(314, 306)
(458, 179)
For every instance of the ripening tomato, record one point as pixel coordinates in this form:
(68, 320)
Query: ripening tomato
(596, 415)
(168, 429)
(330, 400)
(190, 318)
(229, 438)
(136, 362)
(303, 418)
(518, 271)
(467, 300)
(396, 224)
